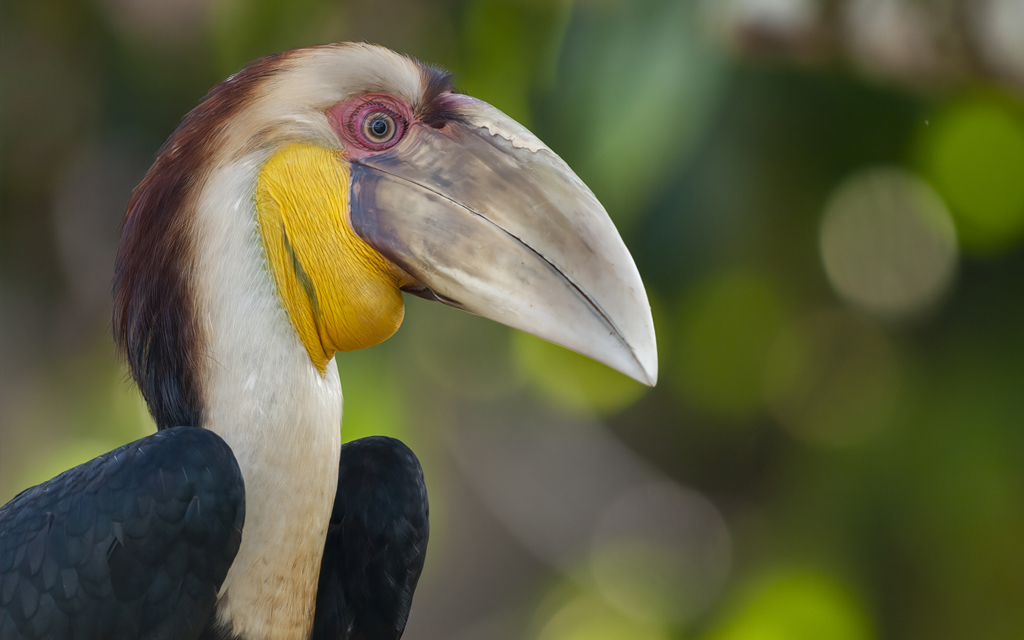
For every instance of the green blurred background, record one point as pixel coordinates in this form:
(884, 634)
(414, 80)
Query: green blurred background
(826, 202)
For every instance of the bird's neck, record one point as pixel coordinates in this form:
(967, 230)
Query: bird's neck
(279, 414)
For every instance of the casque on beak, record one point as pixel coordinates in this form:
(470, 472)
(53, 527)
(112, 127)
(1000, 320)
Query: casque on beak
(492, 221)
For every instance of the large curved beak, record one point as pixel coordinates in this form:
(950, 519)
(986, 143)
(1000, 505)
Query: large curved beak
(491, 221)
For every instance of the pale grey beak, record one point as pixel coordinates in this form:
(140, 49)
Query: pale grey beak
(490, 220)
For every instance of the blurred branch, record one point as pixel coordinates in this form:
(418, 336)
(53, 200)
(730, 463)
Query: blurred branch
(926, 44)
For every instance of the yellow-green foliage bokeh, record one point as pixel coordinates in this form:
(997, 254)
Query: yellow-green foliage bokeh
(570, 380)
(796, 605)
(973, 150)
(727, 326)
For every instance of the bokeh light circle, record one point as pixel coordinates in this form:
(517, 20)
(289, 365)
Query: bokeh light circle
(888, 243)
(832, 379)
(589, 617)
(661, 553)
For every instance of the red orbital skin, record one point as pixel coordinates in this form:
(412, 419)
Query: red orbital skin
(347, 119)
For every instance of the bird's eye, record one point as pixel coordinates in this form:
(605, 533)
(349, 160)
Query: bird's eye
(379, 127)
(370, 123)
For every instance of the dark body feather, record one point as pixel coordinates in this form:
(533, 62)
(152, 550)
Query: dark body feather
(136, 543)
(376, 543)
(132, 544)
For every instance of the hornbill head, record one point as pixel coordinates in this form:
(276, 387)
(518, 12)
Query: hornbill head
(365, 175)
(372, 177)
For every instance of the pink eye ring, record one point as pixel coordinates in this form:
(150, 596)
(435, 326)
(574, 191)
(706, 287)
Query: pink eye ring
(370, 123)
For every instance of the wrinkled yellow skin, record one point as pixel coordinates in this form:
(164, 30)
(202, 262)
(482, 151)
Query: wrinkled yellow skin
(340, 294)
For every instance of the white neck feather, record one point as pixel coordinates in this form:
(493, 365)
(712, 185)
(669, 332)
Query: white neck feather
(266, 399)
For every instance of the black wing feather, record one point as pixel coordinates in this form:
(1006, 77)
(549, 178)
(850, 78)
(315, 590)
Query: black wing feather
(132, 544)
(376, 543)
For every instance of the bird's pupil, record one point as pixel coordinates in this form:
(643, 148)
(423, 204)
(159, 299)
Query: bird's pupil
(379, 127)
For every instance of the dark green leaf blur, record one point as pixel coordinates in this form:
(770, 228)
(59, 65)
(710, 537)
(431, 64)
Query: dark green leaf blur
(825, 201)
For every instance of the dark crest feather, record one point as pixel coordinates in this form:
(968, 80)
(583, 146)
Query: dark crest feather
(433, 109)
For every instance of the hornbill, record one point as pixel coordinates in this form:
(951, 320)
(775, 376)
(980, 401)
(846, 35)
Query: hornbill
(280, 224)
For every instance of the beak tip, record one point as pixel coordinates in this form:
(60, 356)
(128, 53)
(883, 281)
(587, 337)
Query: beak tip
(638, 359)
(646, 373)
(647, 362)
(651, 376)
